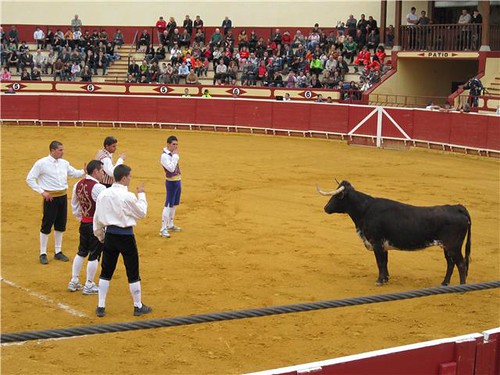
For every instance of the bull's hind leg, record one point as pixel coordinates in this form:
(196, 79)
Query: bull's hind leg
(382, 257)
(449, 268)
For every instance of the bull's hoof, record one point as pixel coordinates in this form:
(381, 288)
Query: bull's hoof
(381, 282)
(444, 283)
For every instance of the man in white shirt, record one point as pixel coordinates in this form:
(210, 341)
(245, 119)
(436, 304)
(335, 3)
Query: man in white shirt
(39, 37)
(115, 215)
(83, 202)
(49, 177)
(412, 20)
(106, 156)
(170, 162)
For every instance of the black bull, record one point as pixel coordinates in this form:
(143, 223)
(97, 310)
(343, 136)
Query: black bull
(384, 224)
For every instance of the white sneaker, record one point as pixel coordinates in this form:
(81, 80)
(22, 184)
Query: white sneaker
(90, 289)
(164, 233)
(74, 286)
(174, 228)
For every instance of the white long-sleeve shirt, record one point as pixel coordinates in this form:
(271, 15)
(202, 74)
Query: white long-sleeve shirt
(169, 161)
(119, 207)
(49, 174)
(75, 203)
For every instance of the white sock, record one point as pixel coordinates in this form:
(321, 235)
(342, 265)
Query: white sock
(171, 216)
(91, 270)
(58, 236)
(103, 292)
(44, 238)
(135, 290)
(77, 267)
(164, 217)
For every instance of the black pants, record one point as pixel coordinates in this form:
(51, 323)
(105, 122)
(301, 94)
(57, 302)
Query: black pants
(114, 245)
(89, 244)
(55, 214)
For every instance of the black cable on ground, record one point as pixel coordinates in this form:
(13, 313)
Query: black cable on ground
(239, 314)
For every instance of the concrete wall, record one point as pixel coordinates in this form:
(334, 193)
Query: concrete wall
(300, 13)
(429, 78)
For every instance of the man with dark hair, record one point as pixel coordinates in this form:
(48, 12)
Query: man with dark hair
(49, 177)
(106, 156)
(115, 215)
(170, 162)
(83, 201)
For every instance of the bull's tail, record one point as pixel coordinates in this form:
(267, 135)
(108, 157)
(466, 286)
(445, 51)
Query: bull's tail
(467, 243)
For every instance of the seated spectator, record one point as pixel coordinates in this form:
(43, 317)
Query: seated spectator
(316, 66)
(313, 40)
(216, 39)
(199, 37)
(25, 75)
(220, 73)
(327, 81)
(232, 72)
(192, 78)
(77, 36)
(143, 41)
(101, 62)
(103, 36)
(133, 69)
(154, 72)
(242, 39)
(86, 74)
(380, 53)
(26, 60)
(315, 82)
(286, 39)
(298, 39)
(143, 72)
(75, 57)
(277, 80)
(131, 79)
(229, 40)
(5, 76)
(184, 39)
(372, 40)
(248, 77)
(49, 62)
(58, 69)
(110, 53)
(64, 55)
(36, 75)
(75, 71)
(118, 39)
(330, 64)
(362, 59)
(252, 41)
(350, 48)
(39, 37)
(13, 60)
(183, 70)
(23, 47)
(206, 94)
(291, 80)
(49, 39)
(301, 80)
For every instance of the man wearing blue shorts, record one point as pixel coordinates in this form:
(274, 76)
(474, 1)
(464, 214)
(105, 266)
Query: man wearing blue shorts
(170, 163)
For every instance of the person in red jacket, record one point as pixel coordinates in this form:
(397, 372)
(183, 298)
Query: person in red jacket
(363, 59)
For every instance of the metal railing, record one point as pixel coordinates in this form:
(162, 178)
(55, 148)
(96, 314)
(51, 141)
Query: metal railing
(448, 37)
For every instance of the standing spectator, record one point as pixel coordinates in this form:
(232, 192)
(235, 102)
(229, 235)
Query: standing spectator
(171, 27)
(49, 177)
(389, 36)
(351, 25)
(83, 203)
(170, 162)
(198, 24)
(76, 23)
(39, 37)
(423, 21)
(371, 25)
(113, 226)
(161, 26)
(188, 25)
(477, 20)
(227, 25)
(105, 155)
(412, 20)
(464, 19)
(49, 39)
(14, 36)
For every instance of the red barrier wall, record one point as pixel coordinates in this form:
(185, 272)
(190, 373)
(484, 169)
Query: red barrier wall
(468, 131)
(473, 354)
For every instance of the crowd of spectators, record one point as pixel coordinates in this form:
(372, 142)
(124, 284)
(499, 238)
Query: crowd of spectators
(314, 59)
(72, 55)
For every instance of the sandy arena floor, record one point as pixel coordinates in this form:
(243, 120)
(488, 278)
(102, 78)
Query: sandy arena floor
(254, 235)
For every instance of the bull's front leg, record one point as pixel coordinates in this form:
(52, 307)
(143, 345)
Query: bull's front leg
(382, 258)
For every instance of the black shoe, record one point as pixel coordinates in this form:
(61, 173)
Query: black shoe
(60, 256)
(43, 259)
(142, 310)
(99, 311)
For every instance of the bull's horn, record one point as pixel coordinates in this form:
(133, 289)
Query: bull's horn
(334, 192)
